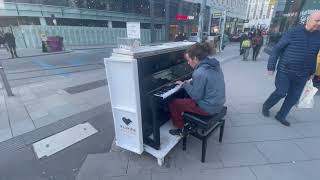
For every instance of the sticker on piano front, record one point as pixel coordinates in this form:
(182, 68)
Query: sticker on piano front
(127, 127)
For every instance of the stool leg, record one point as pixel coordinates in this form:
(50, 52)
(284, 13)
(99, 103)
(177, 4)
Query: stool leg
(221, 131)
(184, 143)
(204, 149)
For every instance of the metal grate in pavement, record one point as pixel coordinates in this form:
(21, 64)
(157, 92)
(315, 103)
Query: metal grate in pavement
(86, 86)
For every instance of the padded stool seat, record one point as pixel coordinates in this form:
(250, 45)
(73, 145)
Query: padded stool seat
(202, 127)
(204, 122)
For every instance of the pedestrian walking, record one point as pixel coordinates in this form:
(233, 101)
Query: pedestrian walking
(296, 51)
(257, 42)
(243, 37)
(2, 42)
(11, 42)
(246, 45)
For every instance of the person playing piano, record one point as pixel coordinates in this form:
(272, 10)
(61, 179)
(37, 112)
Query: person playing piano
(206, 88)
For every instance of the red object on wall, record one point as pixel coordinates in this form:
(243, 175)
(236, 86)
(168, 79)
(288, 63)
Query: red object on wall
(182, 17)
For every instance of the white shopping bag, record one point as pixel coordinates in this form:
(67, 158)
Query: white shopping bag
(306, 99)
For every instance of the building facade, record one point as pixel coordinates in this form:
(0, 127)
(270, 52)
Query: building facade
(289, 13)
(158, 18)
(233, 11)
(259, 13)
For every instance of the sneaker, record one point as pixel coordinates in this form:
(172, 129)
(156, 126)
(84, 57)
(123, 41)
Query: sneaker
(176, 132)
(282, 121)
(265, 112)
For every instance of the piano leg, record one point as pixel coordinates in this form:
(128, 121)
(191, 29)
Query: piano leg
(160, 161)
(155, 123)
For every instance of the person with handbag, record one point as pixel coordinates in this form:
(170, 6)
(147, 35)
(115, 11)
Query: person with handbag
(257, 42)
(295, 57)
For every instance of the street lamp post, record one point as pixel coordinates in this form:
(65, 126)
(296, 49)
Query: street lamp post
(222, 29)
(201, 18)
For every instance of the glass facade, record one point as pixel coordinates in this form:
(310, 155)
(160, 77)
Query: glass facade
(136, 7)
(290, 13)
(127, 6)
(286, 16)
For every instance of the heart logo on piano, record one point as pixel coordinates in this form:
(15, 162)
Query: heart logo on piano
(127, 121)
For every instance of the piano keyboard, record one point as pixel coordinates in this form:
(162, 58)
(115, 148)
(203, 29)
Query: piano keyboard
(168, 91)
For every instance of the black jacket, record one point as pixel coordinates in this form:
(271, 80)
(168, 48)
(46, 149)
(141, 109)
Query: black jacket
(10, 39)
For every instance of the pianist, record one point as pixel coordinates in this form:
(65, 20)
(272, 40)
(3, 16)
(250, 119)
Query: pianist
(206, 89)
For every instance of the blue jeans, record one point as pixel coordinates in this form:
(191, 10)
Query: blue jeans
(289, 86)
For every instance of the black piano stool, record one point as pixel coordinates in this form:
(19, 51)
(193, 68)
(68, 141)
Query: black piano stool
(202, 127)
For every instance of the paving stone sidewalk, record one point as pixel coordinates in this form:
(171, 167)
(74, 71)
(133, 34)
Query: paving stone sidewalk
(253, 148)
(41, 104)
(36, 105)
(27, 52)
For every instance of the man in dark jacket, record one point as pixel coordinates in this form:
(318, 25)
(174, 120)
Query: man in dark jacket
(296, 51)
(11, 41)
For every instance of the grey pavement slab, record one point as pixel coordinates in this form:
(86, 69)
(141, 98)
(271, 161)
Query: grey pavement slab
(308, 129)
(290, 171)
(248, 108)
(259, 133)
(216, 174)
(5, 129)
(281, 151)
(53, 101)
(243, 154)
(307, 115)
(311, 146)
(37, 110)
(64, 111)
(250, 119)
(145, 164)
(19, 118)
(97, 166)
(130, 177)
(190, 159)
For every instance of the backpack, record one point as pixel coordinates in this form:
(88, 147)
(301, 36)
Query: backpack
(246, 43)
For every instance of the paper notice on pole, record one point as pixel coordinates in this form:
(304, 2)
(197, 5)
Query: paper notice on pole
(133, 30)
(1, 4)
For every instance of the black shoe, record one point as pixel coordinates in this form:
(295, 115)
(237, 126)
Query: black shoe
(176, 132)
(265, 112)
(282, 121)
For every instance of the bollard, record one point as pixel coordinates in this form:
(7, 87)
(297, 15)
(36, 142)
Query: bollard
(5, 81)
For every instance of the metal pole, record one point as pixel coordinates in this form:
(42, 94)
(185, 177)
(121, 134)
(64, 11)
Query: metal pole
(201, 18)
(5, 81)
(167, 29)
(222, 28)
(152, 29)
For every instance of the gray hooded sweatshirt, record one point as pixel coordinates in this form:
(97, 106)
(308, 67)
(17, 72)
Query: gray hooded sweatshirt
(207, 87)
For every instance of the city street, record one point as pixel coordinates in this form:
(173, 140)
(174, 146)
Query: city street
(67, 113)
(253, 148)
(41, 68)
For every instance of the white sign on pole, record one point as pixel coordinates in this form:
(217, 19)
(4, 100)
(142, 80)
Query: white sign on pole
(133, 30)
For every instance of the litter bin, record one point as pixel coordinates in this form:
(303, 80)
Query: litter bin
(54, 43)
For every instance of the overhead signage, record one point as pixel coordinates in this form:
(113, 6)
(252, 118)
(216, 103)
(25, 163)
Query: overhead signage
(217, 14)
(184, 17)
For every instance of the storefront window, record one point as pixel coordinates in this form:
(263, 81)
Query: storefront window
(284, 19)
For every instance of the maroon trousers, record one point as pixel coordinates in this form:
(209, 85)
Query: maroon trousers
(178, 106)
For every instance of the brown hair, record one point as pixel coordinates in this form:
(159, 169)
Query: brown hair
(201, 50)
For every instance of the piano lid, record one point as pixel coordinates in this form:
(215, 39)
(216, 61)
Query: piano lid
(149, 50)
